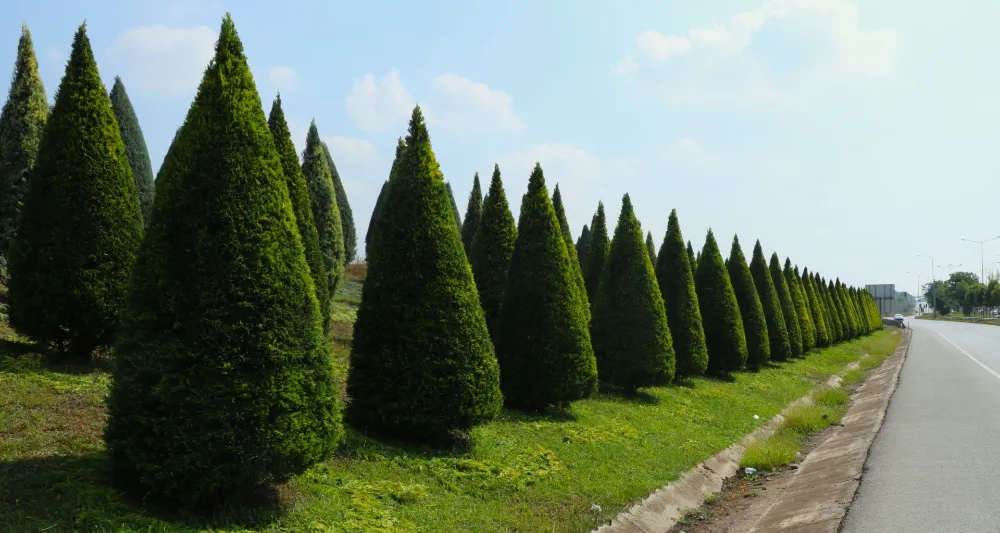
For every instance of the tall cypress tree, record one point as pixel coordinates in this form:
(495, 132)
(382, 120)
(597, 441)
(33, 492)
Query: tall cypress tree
(326, 214)
(454, 208)
(787, 301)
(859, 317)
(222, 377)
(546, 358)
(801, 301)
(298, 193)
(400, 148)
(830, 308)
(720, 312)
(473, 213)
(692, 257)
(816, 309)
(597, 252)
(344, 206)
(777, 330)
(557, 205)
(844, 304)
(630, 332)
(492, 248)
(81, 224)
(581, 247)
(422, 364)
(650, 247)
(22, 121)
(135, 146)
(751, 310)
(676, 280)
(841, 310)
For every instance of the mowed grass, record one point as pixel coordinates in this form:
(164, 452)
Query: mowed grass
(519, 473)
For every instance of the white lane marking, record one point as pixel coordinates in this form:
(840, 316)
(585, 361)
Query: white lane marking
(969, 355)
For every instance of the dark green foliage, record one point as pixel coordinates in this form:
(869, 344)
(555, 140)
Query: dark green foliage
(675, 278)
(751, 310)
(720, 312)
(326, 214)
(473, 213)
(841, 311)
(22, 121)
(801, 301)
(787, 301)
(852, 322)
(422, 364)
(581, 247)
(831, 309)
(852, 299)
(630, 332)
(222, 377)
(597, 252)
(454, 208)
(298, 193)
(135, 146)
(346, 214)
(375, 212)
(557, 205)
(816, 310)
(650, 247)
(777, 330)
(543, 344)
(693, 258)
(81, 225)
(491, 251)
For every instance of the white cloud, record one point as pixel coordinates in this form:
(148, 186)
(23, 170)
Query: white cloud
(563, 162)
(162, 60)
(380, 106)
(719, 64)
(55, 55)
(283, 78)
(690, 154)
(347, 148)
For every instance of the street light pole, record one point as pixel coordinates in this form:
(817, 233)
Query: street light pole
(933, 286)
(982, 263)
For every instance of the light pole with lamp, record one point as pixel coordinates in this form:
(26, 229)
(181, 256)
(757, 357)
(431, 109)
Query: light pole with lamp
(982, 264)
(933, 286)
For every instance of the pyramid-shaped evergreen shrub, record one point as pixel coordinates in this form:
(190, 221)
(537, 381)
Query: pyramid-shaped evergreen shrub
(720, 312)
(454, 208)
(799, 299)
(346, 214)
(81, 224)
(326, 214)
(543, 344)
(473, 214)
(787, 305)
(838, 292)
(375, 212)
(816, 309)
(831, 310)
(582, 243)
(422, 364)
(598, 245)
(751, 310)
(693, 258)
(222, 377)
(135, 146)
(630, 332)
(777, 331)
(557, 204)
(651, 247)
(492, 248)
(676, 281)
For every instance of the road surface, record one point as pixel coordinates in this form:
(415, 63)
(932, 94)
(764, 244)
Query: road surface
(935, 464)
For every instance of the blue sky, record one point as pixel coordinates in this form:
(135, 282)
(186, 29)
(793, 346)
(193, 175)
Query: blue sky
(850, 135)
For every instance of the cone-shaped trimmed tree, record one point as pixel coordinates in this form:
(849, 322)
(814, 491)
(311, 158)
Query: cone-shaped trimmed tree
(751, 310)
(473, 213)
(344, 206)
(454, 208)
(22, 121)
(720, 312)
(816, 309)
(597, 252)
(222, 374)
(845, 304)
(422, 364)
(777, 331)
(326, 214)
(692, 257)
(630, 332)
(831, 309)
(81, 223)
(298, 193)
(676, 281)
(651, 247)
(543, 344)
(375, 212)
(863, 326)
(492, 248)
(135, 146)
(787, 306)
(800, 299)
(841, 310)
(581, 247)
(557, 205)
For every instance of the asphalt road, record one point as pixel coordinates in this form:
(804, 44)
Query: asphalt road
(935, 464)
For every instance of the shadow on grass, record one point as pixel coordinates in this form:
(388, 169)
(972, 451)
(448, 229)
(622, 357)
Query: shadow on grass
(367, 443)
(22, 357)
(639, 396)
(74, 493)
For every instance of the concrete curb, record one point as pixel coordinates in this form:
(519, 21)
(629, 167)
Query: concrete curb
(817, 497)
(660, 510)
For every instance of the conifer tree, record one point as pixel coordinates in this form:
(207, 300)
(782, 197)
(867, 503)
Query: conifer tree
(720, 312)
(326, 214)
(845, 320)
(630, 332)
(777, 331)
(492, 248)
(581, 247)
(422, 364)
(801, 301)
(557, 205)
(597, 252)
(788, 312)
(454, 208)
(22, 121)
(344, 206)
(863, 325)
(135, 146)
(81, 224)
(831, 309)
(676, 280)
(692, 257)
(298, 193)
(651, 247)
(543, 346)
(473, 213)
(751, 310)
(816, 309)
(222, 377)
(400, 148)
(848, 309)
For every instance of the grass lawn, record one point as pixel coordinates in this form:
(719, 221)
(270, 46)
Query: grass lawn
(520, 473)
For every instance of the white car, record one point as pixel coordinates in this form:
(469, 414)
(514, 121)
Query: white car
(897, 316)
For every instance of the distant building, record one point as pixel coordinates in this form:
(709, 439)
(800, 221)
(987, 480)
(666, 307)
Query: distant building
(885, 298)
